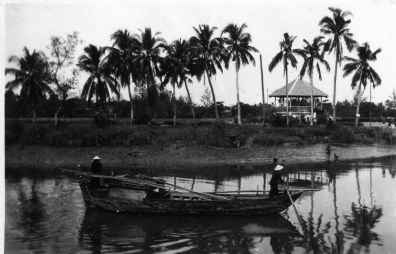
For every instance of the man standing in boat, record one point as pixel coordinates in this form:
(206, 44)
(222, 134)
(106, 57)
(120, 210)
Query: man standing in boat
(96, 168)
(275, 179)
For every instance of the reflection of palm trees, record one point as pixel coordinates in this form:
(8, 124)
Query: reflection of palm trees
(32, 214)
(338, 245)
(360, 224)
(313, 239)
(362, 221)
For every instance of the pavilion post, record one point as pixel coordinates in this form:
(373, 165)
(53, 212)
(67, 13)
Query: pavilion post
(321, 103)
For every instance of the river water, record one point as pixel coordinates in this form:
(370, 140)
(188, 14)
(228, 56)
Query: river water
(353, 211)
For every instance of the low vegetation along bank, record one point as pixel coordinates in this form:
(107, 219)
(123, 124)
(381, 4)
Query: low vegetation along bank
(122, 145)
(215, 135)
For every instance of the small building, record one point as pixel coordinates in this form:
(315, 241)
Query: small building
(299, 92)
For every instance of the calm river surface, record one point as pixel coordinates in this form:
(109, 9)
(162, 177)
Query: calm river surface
(353, 212)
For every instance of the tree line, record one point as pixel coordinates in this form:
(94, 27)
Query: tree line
(146, 63)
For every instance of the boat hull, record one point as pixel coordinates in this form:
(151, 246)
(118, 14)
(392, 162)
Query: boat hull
(236, 206)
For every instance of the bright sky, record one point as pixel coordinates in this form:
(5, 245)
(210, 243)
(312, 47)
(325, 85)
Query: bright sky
(31, 24)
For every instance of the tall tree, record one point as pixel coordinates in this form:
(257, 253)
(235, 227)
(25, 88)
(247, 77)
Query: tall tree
(286, 56)
(100, 82)
(122, 54)
(313, 55)
(363, 72)
(64, 73)
(33, 75)
(150, 46)
(176, 68)
(208, 53)
(238, 49)
(337, 28)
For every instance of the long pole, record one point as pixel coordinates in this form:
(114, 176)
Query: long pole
(295, 209)
(185, 189)
(262, 88)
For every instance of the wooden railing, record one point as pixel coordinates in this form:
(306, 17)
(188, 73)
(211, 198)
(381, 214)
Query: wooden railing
(295, 109)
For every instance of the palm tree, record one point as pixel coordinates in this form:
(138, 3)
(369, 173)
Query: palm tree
(239, 51)
(33, 76)
(208, 53)
(150, 47)
(121, 55)
(100, 82)
(176, 68)
(287, 57)
(313, 54)
(363, 72)
(337, 28)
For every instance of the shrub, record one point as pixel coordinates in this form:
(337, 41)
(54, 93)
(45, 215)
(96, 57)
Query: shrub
(268, 139)
(343, 135)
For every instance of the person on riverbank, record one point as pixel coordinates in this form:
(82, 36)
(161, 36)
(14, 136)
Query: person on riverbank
(328, 152)
(275, 179)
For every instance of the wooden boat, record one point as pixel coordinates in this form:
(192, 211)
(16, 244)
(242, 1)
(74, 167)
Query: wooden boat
(151, 196)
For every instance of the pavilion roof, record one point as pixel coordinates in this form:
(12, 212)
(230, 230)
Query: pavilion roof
(298, 88)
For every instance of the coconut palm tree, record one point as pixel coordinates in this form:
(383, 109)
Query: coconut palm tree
(121, 55)
(100, 82)
(337, 28)
(286, 55)
(33, 75)
(176, 68)
(208, 53)
(363, 72)
(313, 55)
(150, 47)
(238, 49)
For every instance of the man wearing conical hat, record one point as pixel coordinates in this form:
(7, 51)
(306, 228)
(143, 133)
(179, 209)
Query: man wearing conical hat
(96, 168)
(275, 179)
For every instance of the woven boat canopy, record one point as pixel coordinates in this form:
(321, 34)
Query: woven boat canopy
(298, 88)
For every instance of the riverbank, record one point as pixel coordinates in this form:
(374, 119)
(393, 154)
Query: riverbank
(179, 156)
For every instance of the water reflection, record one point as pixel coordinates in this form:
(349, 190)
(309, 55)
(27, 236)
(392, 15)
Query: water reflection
(106, 232)
(353, 212)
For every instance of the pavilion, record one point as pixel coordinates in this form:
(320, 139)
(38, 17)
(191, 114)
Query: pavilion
(299, 92)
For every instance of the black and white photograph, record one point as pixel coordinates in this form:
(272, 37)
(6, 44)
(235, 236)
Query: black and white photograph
(207, 126)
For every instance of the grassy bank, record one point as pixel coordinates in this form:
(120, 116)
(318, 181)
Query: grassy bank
(185, 157)
(87, 134)
(125, 146)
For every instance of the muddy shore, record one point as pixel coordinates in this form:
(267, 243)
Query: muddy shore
(177, 156)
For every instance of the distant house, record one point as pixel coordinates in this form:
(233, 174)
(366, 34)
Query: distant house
(299, 92)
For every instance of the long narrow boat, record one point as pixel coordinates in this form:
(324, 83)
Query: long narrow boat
(152, 197)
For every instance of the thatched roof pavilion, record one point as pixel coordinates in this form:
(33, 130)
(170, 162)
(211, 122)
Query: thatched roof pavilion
(298, 88)
(299, 92)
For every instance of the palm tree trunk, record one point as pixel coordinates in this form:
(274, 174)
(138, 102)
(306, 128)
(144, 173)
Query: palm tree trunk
(287, 98)
(358, 104)
(191, 104)
(370, 105)
(335, 89)
(213, 95)
(312, 102)
(237, 88)
(130, 99)
(174, 105)
(262, 88)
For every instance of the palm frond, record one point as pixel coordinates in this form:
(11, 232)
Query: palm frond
(275, 61)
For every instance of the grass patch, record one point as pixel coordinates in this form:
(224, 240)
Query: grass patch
(87, 134)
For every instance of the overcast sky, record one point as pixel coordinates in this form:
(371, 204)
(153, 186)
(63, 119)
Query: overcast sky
(32, 25)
